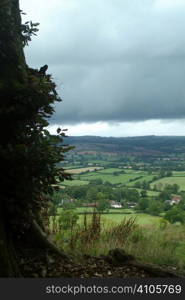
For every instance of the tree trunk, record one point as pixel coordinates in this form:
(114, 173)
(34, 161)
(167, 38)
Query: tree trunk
(8, 261)
(12, 60)
(42, 241)
(12, 75)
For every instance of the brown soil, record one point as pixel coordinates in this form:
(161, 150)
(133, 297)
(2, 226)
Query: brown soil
(115, 264)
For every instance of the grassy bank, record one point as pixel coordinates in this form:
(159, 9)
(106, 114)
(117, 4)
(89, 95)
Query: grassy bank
(149, 239)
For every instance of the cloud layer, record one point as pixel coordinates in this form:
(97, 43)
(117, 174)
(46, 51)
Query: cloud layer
(113, 60)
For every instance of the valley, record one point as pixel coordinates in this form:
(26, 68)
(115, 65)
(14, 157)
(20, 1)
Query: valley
(143, 192)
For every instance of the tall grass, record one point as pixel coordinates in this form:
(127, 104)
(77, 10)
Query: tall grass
(161, 245)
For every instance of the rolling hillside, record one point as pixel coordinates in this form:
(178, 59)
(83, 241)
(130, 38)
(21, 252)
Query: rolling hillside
(144, 145)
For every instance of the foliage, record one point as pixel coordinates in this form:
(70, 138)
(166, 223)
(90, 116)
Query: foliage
(68, 219)
(103, 205)
(28, 151)
(97, 181)
(155, 207)
(163, 224)
(28, 29)
(175, 214)
(68, 206)
(143, 204)
(57, 197)
(168, 190)
(143, 193)
(91, 194)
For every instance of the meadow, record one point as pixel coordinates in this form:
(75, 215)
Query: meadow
(179, 173)
(111, 210)
(126, 177)
(149, 193)
(74, 182)
(113, 218)
(141, 219)
(116, 216)
(119, 178)
(149, 239)
(161, 183)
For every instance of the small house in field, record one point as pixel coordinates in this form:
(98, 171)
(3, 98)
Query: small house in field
(175, 199)
(115, 204)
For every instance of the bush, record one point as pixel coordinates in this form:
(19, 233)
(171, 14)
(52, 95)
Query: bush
(175, 215)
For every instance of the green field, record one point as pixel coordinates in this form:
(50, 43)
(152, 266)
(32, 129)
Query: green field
(142, 219)
(170, 180)
(110, 170)
(112, 210)
(179, 173)
(123, 171)
(91, 209)
(114, 179)
(127, 177)
(149, 193)
(112, 219)
(148, 243)
(146, 178)
(74, 182)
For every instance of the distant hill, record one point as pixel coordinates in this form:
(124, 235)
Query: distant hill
(146, 145)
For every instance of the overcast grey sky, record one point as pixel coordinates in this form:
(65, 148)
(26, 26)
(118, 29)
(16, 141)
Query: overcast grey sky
(119, 64)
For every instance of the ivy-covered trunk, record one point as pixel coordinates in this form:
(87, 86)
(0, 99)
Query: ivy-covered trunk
(12, 76)
(28, 152)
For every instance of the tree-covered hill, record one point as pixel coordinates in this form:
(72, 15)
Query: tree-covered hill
(142, 144)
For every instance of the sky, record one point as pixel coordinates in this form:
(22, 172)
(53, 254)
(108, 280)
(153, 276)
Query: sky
(119, 65)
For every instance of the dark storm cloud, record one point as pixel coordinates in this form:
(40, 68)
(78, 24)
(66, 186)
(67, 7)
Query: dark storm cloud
(114, 60)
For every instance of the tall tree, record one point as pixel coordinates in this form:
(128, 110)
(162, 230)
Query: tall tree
(27, 150)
